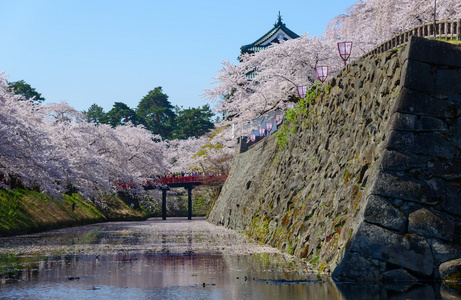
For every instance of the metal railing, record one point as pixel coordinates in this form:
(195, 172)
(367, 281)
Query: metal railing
(448, 30)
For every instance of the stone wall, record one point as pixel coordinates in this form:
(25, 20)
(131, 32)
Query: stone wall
(369, 184)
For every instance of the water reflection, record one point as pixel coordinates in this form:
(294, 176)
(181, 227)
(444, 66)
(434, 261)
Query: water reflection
(149, 276)
(152, 276)
(153, 260)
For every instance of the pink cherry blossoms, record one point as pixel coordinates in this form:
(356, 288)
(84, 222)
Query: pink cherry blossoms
(52, 149)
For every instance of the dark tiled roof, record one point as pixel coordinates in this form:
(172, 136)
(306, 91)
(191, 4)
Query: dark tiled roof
(256, 46)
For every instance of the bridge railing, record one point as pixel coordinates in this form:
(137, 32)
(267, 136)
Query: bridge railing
(447, 29)
(124, 186)
(201, 179)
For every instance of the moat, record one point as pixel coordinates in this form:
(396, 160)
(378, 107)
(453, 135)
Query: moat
(173, 259)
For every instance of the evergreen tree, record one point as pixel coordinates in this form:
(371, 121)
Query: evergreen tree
(121, 114)
(193, 122)
(95, 114)
(24, 89)
(156, 113)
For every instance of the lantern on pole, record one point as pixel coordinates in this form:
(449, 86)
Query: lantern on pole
(435, 14)
(278, 118)
(322, 73)
(302, 91)
(345, 49)
(261, 131)
(269, 126)
(253, 137)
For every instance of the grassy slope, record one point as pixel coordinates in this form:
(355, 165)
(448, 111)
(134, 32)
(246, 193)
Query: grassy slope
(117, 210)
(456, 42)
(24, 211)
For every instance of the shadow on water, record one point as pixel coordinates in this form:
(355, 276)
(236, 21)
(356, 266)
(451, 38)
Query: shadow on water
(142, 261)
(421, 290)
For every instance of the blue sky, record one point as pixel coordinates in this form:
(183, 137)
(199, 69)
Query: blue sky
(102, 52)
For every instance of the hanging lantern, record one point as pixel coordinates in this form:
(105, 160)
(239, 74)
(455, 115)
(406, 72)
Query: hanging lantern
(261, 131)
(278, 118)
(302, 90)
(345, 49)
(253, 137)
(322, 73)
(269, 126)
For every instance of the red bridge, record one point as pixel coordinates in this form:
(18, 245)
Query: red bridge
(187, 182)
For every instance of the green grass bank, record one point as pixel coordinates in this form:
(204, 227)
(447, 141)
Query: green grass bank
(23, 211)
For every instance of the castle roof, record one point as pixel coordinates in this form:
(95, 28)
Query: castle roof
(277, 33)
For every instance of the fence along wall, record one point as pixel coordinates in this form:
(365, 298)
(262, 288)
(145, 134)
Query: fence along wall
(448, 30)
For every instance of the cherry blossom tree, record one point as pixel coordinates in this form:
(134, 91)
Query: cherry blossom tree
(202, 154)
(102, 156)
(51, 148)
(264, 81)
(180, 154)
(142, 153)
(27, 155)
(216, 155)
(371, 22)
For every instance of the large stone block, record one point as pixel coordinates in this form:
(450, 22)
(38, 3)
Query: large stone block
(379, 211)
(418, 76)
(448, 82)
(449, 169)
(401, 141)
(398, 161)
(431, 124)
(451, 270)
(357, 268)
(434, 52)
(414, 102)
(442, 252)
(428, 224)
(435, 145)
(425, 143)
(451, 203)
(408, 251)
(402, 121)
(407, 188)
